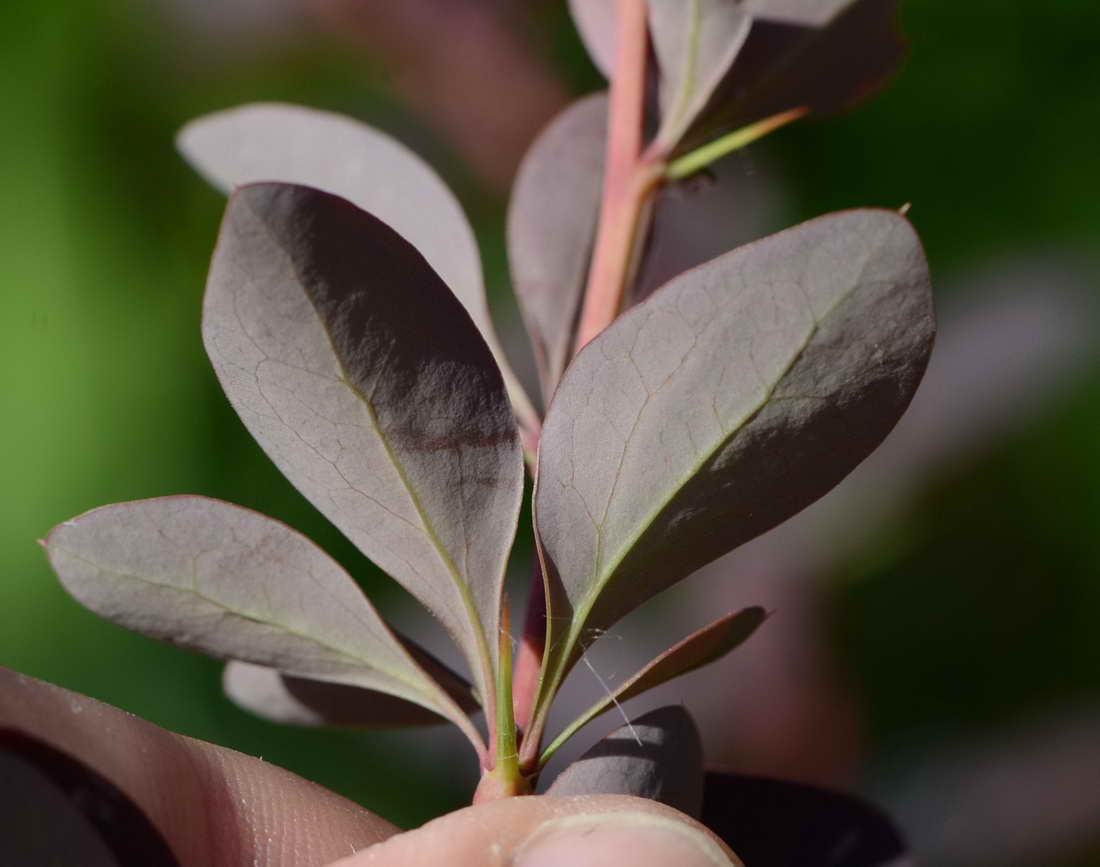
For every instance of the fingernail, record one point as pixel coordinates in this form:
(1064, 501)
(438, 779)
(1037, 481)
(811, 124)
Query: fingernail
(634, 839)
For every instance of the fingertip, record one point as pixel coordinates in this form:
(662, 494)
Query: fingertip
(544, 831)
(214, 807)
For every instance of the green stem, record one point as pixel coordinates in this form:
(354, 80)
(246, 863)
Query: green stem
(507, 753)
(699, 159)
(504, 779)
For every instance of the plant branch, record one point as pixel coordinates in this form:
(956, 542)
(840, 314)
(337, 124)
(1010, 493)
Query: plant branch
(627, 179)
(504, 779)
(528, 666)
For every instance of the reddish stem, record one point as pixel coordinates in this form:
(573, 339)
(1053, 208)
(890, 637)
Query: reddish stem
(623, 195)
(525, 683)
(629, 180)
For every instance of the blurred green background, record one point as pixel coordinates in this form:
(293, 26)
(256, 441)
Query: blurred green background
(974, 613)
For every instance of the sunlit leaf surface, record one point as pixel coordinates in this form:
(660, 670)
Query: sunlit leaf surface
(368, 385)
(214, 577)
(277, 142)
(735, 396)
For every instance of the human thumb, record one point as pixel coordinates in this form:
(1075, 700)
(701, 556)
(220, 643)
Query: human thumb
(544, 831)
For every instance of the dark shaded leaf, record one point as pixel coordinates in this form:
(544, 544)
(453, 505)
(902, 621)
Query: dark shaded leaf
(284, 698)
(551, 225)
(658, 756)
(54, 809)
(289, 143)
(823, 55)
(702, 647)
(367, 384)
(734, 397)
(771, 823)
(224, 580)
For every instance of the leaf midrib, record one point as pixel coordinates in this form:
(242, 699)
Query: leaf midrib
(590, 598)
(683, 100)
(461, 585)
(244, 615)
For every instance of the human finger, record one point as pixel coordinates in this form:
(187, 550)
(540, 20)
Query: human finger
(213, 806)
(543, 831)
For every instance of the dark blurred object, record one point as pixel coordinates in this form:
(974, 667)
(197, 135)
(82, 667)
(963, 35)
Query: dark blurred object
(465, 66)
(54, 809)
(1028, 796)
(772, 823)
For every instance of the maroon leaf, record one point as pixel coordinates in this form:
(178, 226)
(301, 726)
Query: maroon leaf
(772, 823)
(827, 63)
(702, 647)
(658, 756)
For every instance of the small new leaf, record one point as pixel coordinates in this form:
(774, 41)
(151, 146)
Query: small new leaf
(217, 578)
(735, 396)
(702, 647)
(368, 385)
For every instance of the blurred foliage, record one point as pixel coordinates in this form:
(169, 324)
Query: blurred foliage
(977, 608)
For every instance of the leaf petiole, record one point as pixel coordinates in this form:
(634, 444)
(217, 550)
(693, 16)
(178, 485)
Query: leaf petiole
(699, 159)
(504, 779)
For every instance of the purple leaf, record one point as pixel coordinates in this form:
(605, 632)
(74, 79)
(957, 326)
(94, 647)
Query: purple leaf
(368, 385)
(339, 155)
(214, 577)
(292, 700)
(551, 224)
(658, 756)
(772, 823)
(702, 647)
(825, 56)
(735, 396)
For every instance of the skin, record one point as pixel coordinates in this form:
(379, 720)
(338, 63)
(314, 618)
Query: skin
(218, 808)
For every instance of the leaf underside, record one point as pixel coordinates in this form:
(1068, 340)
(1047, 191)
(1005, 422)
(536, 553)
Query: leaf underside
(210, 576)
(826, 56)
(823, 54)
(368, 385)
(339, 155)
(291, 700)
(658, 755)
(735, 396)
(696, 42)
(595, 22)
(702, 647)
(551, 225)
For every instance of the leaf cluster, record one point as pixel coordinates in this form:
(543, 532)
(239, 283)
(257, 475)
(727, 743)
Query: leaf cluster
(345, 317)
